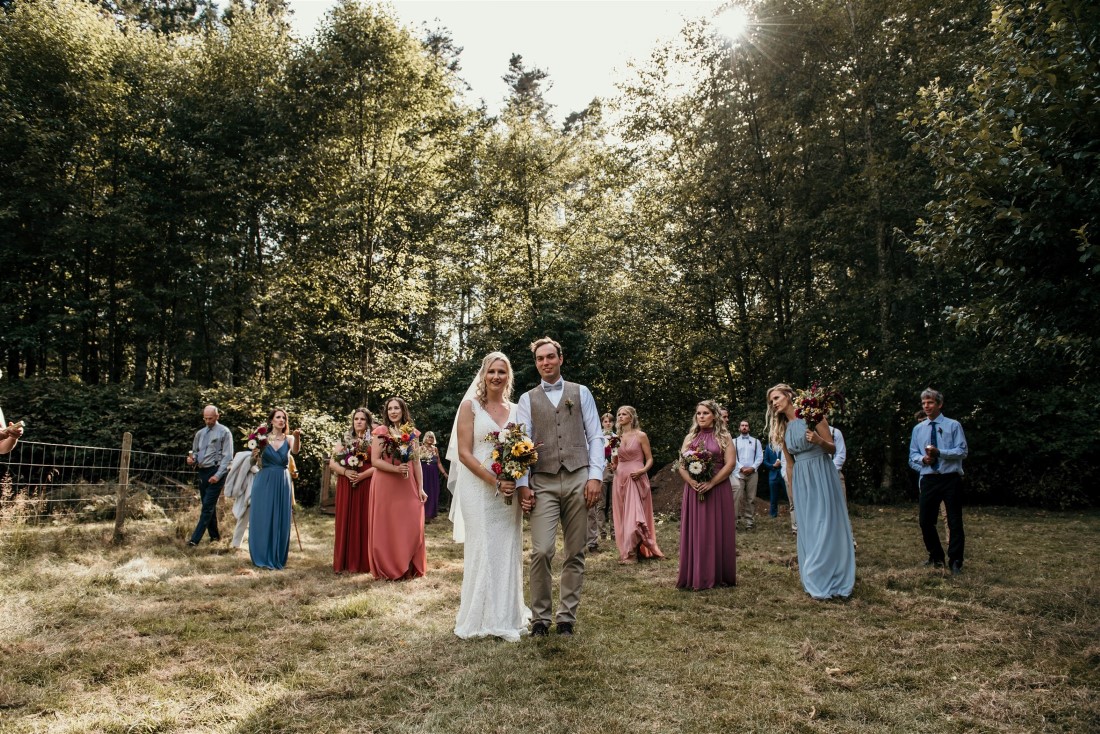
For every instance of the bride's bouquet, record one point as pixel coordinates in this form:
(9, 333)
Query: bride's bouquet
(816, 404)
(513, 452)
(699, 464)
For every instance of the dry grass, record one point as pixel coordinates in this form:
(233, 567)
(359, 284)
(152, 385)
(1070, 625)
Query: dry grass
(153, 638)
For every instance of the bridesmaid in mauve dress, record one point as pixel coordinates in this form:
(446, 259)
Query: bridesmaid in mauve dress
(432, 470)
(631, 497)
(270, 515)
(395, 548)
(708, 523)
(349, 551)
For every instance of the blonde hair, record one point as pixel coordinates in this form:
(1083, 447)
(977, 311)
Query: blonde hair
(481, 393)
(634, 424)
(427, 435)
(721, 432)
(775, 424)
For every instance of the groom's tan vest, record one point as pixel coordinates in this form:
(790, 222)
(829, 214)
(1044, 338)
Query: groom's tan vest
(560, 429)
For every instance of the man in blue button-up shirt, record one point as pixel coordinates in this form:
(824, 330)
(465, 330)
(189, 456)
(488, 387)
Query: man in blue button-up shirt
(936, 452)
(212, 453)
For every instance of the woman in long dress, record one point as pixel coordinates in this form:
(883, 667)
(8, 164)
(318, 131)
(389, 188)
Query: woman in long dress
(826, 558)
(432, 470)
(349, 552)
(632, 499)
(396, 548)
(270, 518)
(492, 575)
(708, 522)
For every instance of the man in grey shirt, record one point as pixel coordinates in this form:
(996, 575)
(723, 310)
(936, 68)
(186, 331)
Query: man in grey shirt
(212, 453)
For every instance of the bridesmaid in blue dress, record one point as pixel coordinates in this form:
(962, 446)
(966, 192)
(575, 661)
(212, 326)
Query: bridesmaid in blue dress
(269, 528)
(826, 556)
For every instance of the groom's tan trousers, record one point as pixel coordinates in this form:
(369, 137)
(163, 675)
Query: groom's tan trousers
(558, 497)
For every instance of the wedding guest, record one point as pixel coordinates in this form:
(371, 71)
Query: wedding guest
(826, 558)
(353, 484)
(936, 452)
(211, 452)
(918, 418)
(597, 514)
(431, 468)
(750, 454)
(632, 500)
(270, 517)
(708, 520)
(9, 435)
(772, 466)
(395, 547)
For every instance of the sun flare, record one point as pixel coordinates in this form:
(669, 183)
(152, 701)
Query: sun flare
(733, 23)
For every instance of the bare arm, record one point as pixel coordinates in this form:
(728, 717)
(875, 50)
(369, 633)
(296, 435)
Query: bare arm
(647, 452)
(820, 436)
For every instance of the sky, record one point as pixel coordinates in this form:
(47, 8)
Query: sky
(584, 45)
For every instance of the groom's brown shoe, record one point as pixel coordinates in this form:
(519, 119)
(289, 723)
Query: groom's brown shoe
(565, 628)
(540, 629)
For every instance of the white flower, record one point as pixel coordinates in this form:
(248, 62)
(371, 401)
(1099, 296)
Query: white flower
(252, 443)
(695, 467)
(353, 461)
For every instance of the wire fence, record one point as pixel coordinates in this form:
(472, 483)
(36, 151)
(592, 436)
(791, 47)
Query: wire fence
(47, 481)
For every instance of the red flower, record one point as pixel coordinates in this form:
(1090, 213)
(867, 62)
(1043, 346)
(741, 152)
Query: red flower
(498, 468)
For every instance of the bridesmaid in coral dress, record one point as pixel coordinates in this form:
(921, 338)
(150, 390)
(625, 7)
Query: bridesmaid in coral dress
(708, 521)
(349, 551)
(395, 547)
(631, 499)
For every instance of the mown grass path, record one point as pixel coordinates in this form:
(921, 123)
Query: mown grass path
(152, 637)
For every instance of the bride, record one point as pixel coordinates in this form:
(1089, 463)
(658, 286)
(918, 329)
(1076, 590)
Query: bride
(492, 577)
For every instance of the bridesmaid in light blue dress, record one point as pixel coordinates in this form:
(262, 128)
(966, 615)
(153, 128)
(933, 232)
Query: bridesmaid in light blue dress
(826, 556)
(269, 528)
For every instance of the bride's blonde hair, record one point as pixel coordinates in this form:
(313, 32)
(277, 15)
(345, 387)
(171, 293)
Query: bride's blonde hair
(480, 393)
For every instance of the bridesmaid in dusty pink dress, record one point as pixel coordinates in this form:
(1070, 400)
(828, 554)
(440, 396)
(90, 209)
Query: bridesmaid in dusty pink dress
(708, 523)
(395, 545)
(631, 499)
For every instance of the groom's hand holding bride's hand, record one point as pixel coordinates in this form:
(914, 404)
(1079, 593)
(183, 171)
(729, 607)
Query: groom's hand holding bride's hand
(593, 489)
(526, 498)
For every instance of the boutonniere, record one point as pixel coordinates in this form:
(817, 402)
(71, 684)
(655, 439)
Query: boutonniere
(569, 405)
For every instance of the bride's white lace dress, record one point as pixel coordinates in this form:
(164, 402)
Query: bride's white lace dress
(492, 575)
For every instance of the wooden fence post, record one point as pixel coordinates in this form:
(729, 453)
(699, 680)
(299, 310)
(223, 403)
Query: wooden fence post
(326, 502)
(123, 485)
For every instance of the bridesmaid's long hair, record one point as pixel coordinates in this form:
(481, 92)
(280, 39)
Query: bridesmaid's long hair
(721, 432)
(349, 436)
(481, 393)
(406, 417)
(635, 424)
(775, 424)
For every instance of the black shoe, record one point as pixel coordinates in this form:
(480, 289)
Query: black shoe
(956, 568)
(933, 564)
(191, 544)
(565, 628)
(216, 540)
(593, 548)
(540, 629)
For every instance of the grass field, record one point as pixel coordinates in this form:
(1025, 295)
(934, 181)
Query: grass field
(154, 637)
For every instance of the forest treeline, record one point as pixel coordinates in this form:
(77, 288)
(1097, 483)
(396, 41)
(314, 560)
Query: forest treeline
(880, 195)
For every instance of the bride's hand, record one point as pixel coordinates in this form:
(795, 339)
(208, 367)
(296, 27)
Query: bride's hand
(506, 486)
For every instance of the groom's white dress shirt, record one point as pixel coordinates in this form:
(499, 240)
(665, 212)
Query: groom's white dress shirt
(593, 430)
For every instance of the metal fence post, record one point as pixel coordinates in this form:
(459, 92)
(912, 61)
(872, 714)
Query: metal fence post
(123, 485)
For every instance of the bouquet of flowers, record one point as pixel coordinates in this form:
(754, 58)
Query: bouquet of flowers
(257, 440)
(355, 456)
(699, 464)
(397, 443)
(513, 452)
(816, 404)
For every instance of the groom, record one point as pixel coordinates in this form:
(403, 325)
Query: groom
(562, 485)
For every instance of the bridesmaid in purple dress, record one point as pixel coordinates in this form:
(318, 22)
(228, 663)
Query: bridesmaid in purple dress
(432, 470)
(708, 523)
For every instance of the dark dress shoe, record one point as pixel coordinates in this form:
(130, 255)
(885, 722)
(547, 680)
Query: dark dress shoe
(933, 564)
(191, 544)
(565, 628)
(540, 629)
(956, 568)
